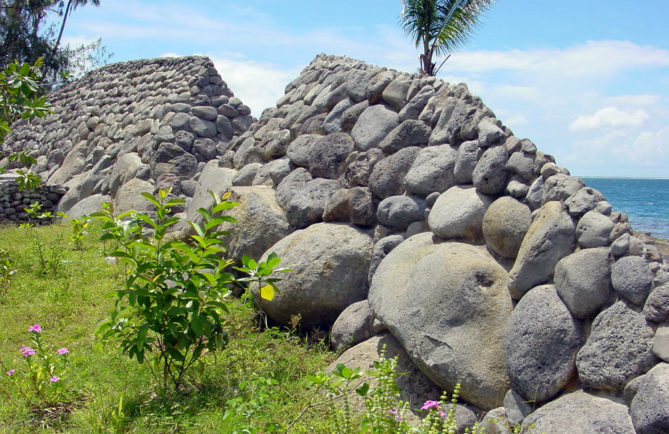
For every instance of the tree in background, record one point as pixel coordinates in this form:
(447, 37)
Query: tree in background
(25, 36)
(440, 26)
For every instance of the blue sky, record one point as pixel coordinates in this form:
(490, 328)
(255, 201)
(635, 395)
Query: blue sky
(587, 81)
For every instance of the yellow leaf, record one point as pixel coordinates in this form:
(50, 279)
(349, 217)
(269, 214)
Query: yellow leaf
(226, 195)
(267, 292)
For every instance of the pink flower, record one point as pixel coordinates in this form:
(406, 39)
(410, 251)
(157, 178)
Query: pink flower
(430, 404)
(35, 328)
(63, 351)
(394, 412)
(27, 351)
(11, 372)
(54, 379)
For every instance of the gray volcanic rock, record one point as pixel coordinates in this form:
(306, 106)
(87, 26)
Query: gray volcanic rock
(535, 193)
(620, 347)
(541, 344)
(354, 325)
(307, 204)
(584, 200)
(354, 205)
(593, 230)
(521, 164)
(649, 406)
(129, 197)
(299, 150)
(414, 107)
(359, 168)
(579, 413)
(212, 178)
(549, 239)
(458, 213)
(260, 222)
(516, 407)
(656, 308)
(583, 280)
(88, 206)
(396, 93)
(490, 132)
(462, 285)
(124, 170)
(505, 224)
(465, 163)
(632, 278)
(431, 171)
(246, 174)
(373, 126)
(328, 265)
(381, 249)
(272, 173)
(291, 185)
(560, 187)
(398, 211)
(327, 157)
(490, 175)
(387, 178)
(408, 133)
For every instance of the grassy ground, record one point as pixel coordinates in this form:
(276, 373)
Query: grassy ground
(258, 382)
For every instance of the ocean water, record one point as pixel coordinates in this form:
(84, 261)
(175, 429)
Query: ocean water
(646, 201)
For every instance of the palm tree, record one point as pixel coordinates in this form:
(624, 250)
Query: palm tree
(71, 5)
(440, 26)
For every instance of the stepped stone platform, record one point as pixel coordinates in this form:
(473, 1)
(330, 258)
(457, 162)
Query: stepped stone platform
(409, 214)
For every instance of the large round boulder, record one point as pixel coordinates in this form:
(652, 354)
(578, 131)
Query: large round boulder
(260, 222)
(328, 264)
(505, 224)
(549, 239)
(579, 413)
(541, 344)
(583, 281)
(458, 214)
(447, 303)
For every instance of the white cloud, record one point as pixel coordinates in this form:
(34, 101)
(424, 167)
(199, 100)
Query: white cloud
(258, 85)
(609, 117)
(591, 59)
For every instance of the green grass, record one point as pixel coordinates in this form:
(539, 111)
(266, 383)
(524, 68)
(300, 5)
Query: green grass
(259, 379)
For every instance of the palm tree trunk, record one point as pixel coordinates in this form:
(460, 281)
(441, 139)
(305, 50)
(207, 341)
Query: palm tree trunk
(62, 26)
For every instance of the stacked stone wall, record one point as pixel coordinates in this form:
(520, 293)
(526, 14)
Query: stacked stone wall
(13, 201)
(154, 122)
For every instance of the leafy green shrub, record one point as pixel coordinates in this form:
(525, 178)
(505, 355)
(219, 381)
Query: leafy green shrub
(173, 298)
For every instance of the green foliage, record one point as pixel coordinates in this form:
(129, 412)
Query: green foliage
(20, 96)
(41, 382)
(173, 298)
(79, 229)
(385, 412)
(33, 29)
(7, 270)
(440, 26)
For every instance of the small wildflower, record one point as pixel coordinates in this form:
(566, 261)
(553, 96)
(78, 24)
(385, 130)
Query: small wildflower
(27, 351)
(35, 328)
(430, 404)
(396, 414)
(63, 351)
(11, 372)
(54, 379)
